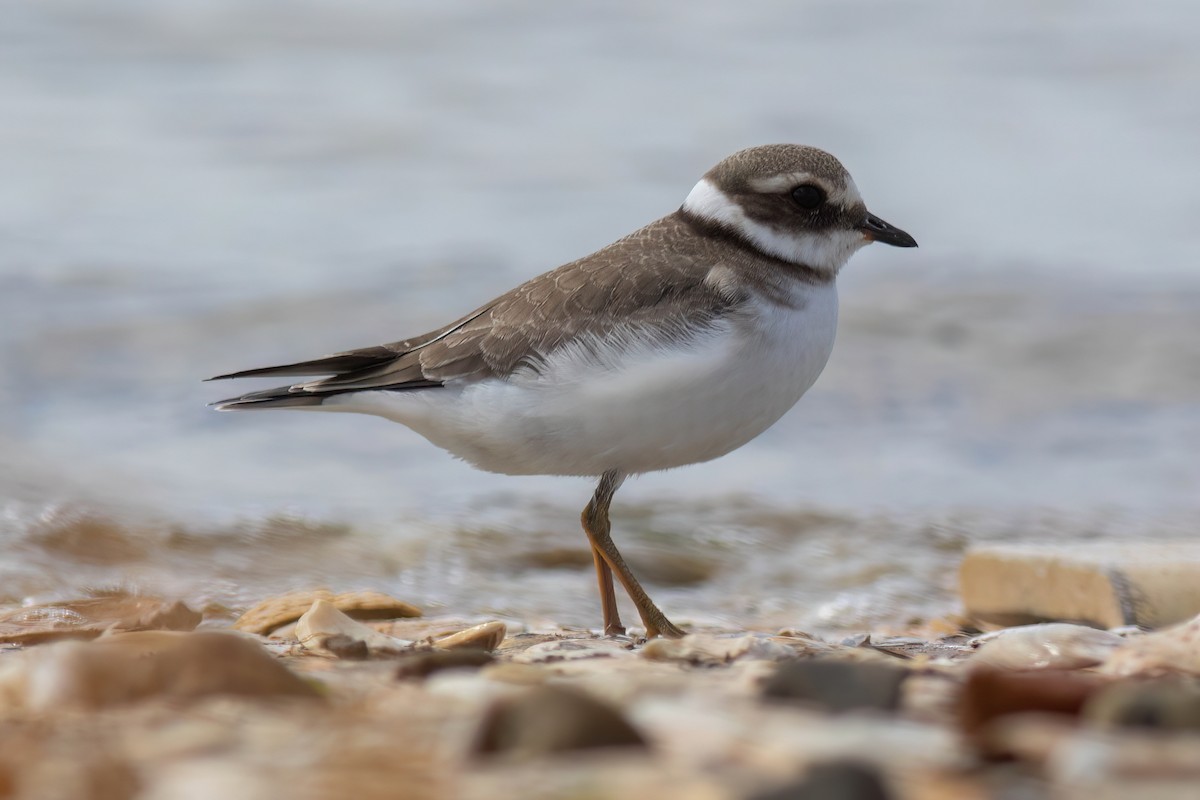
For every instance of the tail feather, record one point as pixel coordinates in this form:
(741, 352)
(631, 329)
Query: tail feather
(279, 397)
(294, 401)
(341, 369)
(327, 365)
(299, 396)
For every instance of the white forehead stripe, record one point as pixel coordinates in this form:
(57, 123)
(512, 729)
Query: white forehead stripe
(787, 181)
(781, 183)
(824, 251)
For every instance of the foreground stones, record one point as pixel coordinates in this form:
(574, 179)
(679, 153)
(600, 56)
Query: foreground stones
(447, 708)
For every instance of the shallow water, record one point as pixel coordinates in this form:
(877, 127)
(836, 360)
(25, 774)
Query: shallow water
(201, 187)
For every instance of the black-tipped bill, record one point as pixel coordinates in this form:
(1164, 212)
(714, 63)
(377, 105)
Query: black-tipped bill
(877, 230)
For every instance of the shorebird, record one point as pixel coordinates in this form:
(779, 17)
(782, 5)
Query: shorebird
(674, 345)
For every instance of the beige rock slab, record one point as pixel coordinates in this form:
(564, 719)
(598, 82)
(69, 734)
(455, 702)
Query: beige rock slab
(1107, 584)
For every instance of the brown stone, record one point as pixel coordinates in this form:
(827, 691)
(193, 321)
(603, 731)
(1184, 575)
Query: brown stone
(129, 667)
(1159, 704)
(1105, 584)
(275, 612)
(88, 618)
(550, 719)
(991, 693)
(837, 685)
(422, 665)
(843, 780)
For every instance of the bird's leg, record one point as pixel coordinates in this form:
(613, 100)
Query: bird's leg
(596, 525)
(604, 576)
(608, 594)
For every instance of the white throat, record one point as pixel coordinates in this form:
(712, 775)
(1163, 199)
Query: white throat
(827, 252)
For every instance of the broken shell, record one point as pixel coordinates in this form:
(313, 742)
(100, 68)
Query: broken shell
(487, 637)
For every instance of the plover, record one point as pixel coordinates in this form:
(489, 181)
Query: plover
(672, 346)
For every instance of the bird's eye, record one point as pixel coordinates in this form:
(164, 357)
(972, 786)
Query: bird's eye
(808, 196)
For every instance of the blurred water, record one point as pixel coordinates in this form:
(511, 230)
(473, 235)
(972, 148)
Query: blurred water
(198, 186)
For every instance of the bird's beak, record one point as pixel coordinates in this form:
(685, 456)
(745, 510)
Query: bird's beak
(876, 230)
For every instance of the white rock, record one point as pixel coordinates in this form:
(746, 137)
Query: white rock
(1054, 645)
(323, 621)
(707, 648)
(572, 649)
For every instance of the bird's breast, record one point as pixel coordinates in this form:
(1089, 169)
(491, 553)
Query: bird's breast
(641, 409)
(632, 403)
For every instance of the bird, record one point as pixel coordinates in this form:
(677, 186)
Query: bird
(672, 346)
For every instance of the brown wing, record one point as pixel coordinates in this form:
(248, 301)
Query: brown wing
(652, 282)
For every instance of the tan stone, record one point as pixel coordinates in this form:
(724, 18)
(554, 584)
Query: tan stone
(90, 617)
(1107, 584)
(1174, 650)
(275, 612)
(129, 667)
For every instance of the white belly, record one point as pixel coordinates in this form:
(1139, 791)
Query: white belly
(631, 408)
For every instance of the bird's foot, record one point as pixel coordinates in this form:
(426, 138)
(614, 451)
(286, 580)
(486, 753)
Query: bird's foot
(614, 629)
(658, 625)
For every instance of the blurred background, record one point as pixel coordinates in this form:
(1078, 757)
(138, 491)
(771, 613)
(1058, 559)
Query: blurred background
(199, 186)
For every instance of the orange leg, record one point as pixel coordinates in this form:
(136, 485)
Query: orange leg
(608, 561)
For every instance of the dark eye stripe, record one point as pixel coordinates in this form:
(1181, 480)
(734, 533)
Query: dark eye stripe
(806, 195)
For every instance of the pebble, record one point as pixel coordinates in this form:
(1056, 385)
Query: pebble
(422, 665)
(553, 719)
(837, 780)
(836, 685)
(1158, 704)
(992, 693)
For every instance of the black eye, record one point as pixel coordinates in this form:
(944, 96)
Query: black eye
(808, 196)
